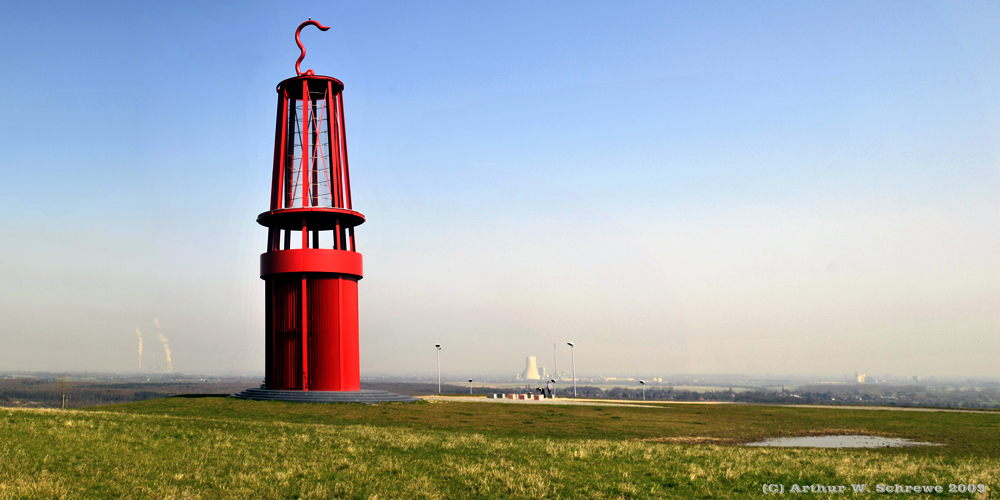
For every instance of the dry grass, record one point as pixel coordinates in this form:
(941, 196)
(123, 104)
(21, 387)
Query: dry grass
(691, 440)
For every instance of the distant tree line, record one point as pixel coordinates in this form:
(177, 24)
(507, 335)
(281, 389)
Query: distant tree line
(44, 393)
(23, 392)
(837, 395)
(889, 396)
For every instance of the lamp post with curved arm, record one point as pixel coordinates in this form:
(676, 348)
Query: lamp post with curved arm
(438, 346)
(572, 350)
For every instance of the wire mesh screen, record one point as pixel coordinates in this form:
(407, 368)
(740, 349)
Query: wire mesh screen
(309, 178)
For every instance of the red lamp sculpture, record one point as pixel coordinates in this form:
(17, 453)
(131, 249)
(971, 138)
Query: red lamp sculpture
(311, 267)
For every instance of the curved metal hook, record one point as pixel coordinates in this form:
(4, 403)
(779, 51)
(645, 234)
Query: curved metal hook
(308, 72)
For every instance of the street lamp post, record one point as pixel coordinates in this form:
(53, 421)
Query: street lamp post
(643, 384)
(439, 366)
(572, 351)
(470, 386)
(555, 362)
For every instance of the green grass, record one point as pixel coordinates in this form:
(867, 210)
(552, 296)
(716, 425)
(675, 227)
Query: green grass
(226, 448)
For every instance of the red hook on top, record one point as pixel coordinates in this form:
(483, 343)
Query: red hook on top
(308, 72)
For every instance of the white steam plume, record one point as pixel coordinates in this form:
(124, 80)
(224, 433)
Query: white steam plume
(166, 348)
(137, 332)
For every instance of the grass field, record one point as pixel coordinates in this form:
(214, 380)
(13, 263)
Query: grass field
(226, 448)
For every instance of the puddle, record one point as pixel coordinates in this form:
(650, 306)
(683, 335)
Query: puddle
(840, 442)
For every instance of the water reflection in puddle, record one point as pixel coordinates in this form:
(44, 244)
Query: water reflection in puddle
(841, 442)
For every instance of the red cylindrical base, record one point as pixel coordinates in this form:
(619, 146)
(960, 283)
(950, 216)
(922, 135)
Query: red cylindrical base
(329, 344)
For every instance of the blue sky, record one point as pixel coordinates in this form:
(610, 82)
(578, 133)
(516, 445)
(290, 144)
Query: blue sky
(676, 187)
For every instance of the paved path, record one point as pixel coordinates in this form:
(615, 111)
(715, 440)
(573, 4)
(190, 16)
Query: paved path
(556, 401)
(666, 404)
(891, 408)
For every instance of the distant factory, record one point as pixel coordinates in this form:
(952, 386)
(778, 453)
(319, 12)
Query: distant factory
(531, 370)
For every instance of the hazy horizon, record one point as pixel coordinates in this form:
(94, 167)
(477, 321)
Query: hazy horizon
(588, 378)
(778, 188)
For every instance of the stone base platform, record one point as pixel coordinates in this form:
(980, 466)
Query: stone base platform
(363, 396)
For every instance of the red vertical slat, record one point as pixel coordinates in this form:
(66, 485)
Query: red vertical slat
(305, 234)
(288, 160)
(304, 171)
(314, 135)
(338, 166)
(350, 369)
(275, 172)
(268, 334)
(282, 160)
(331, 147)
(287, 333)
(305, 336)
(336, 234)
(343, 141)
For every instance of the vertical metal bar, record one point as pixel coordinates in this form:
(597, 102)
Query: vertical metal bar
(572, 350)
(305, 234)
(269, 339)
(334, 181)
(305, 336)
(276, 167)
(340, 334)
(338, 167)
(288, 163)
(343, 140)
(320, 118)
(314, 130)
(288, 239)
(283, 138)
(305, 143)
(351, 230)
(315, 239)
(290, 354)
(336, 235)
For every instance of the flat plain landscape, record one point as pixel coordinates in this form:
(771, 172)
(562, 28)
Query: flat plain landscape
(219, 447)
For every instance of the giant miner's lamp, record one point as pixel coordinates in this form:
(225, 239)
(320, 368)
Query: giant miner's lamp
(311, 267)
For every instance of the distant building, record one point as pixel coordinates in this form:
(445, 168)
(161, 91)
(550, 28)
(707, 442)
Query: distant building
(860, 377)
(531, 369)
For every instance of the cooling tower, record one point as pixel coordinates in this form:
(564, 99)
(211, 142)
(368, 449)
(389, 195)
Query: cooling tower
(530, 369)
